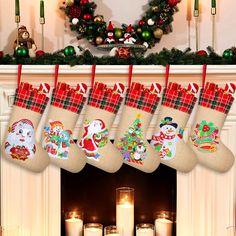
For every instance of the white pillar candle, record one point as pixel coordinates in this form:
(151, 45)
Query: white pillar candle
(163, 227)
(93, 229)
(74, 227)
(125, 219)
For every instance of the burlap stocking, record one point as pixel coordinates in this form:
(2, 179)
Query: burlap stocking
(140, 104)
(214, 105)
(20, 146)
(176, 107)
(103, 104)
(64, 111)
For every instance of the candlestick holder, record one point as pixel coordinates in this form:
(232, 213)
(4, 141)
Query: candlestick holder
(144, 229)
(74, 223)
(93, 229)
(111, 230)
(164, 223)
(125, 211)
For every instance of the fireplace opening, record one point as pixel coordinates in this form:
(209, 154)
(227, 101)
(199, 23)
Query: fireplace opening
(93, 191)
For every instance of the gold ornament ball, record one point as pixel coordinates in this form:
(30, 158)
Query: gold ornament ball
(139, 30)
(98, 18)
(155, 8)
(99, 40)
(69, 3)
(158, 33)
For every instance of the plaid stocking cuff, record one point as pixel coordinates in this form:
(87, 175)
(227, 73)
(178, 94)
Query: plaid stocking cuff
(68, 98)
(143, 98)
(217, 98)
(106, 98)
(32, 98)
(181, 99)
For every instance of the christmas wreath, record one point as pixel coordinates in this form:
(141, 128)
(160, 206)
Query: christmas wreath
(148, 31)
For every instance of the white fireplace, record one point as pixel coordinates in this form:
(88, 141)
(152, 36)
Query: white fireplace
(30, 203)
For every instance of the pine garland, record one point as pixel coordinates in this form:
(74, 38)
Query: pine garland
(173, 57)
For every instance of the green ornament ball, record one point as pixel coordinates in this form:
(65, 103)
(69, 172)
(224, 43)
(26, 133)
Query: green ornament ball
(22, 52)
(69, 51)
(146, 35)
(228, 53)
(118, 33)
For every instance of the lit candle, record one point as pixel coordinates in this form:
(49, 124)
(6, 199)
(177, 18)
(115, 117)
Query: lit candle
(213, 7)
(73, 224)
(145, 230)
(163, 224)
(125, 211)
(93, 229)
(42, 9)
(196, 8)
(17, 7)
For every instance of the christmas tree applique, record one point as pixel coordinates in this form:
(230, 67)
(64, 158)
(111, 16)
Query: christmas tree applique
(132, 145)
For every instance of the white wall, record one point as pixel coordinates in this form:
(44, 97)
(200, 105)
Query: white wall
(122, 11)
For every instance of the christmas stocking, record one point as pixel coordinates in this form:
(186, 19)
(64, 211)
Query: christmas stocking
(103, 104)
(65, 108)
(20, 146)
(140, 104)
(176, 107)
(214, 105)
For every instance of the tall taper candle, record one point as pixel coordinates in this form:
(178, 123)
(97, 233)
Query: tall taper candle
(42, 9)
(17, 7)
(213, 7)
(196, 8)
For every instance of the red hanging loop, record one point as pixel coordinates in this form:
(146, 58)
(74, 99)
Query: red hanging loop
(204, 75)
(167, 75)
(56, 75)
(19, 75)
(93, 75)
(130, 75)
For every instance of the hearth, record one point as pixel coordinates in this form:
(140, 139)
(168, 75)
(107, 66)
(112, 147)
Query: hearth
(93, 192)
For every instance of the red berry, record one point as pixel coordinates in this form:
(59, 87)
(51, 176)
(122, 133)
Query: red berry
(141, 22)
(201, 53)
(87, 17)
(40, 53)
(1, 54)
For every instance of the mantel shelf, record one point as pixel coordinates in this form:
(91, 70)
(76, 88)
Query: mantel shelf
(121, 69)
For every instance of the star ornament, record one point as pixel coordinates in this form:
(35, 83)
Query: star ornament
(123, 53)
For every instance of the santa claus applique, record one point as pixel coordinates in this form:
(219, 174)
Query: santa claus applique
(94, 137)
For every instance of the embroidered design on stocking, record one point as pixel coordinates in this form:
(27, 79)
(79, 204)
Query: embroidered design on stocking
(205, 136)
(20, 143)
(132, 145)
(166, 139)
(95, 136)
(57, 140)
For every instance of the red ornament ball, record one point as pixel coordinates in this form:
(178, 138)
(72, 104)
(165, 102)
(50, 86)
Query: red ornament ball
(87, 17)
(1, 54)
(83, 2)
(123, 53)
(141, 22)
(173, 3)
(40, 53)
(201, 53)
(75, 12)
(160, 22)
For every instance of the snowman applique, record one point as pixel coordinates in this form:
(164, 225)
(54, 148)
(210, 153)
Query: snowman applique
(166, 140)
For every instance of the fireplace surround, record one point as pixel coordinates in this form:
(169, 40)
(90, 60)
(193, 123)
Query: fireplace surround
(31, 203)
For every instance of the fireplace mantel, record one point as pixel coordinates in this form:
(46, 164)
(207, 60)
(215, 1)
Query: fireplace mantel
(30, 203)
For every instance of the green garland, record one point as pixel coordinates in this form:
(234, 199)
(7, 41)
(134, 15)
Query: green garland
(148, 31)
(173, 56)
